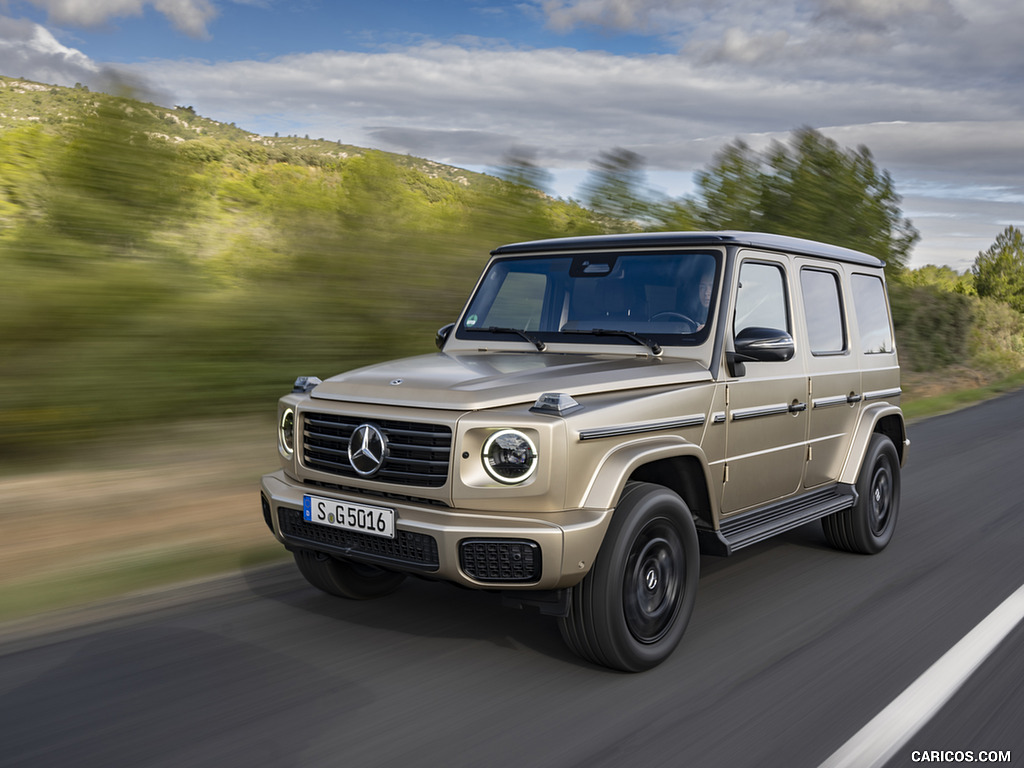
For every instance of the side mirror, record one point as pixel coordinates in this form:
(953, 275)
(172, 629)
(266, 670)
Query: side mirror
(763, 345)
(442, 335)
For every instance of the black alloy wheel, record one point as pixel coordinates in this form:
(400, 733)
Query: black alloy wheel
(631, 610)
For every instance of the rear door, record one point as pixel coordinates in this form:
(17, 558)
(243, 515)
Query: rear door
(874, 338)
(833, 371)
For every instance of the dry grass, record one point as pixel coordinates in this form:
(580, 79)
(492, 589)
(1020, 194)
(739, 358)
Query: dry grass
(191, 492)
(955, 378)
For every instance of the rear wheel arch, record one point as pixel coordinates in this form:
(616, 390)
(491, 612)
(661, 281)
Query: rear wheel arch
(892, 426)
(884, 419)
(867, 526)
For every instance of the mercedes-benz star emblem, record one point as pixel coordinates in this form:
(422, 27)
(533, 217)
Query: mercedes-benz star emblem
(367, 449)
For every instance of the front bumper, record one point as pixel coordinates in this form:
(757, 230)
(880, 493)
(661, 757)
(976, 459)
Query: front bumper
(468, 547)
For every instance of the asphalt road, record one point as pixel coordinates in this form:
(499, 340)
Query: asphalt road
(792, 648)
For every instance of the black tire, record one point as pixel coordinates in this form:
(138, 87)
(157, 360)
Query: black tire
(356, 581)
(631, 610)
(867, 527)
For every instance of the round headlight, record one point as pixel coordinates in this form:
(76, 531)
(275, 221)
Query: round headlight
(287, 431)
(509, 456)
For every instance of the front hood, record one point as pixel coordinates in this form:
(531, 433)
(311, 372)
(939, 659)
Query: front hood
(473, 381)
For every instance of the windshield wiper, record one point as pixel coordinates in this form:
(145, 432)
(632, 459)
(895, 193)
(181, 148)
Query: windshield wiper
(540, 345)
(651, 344)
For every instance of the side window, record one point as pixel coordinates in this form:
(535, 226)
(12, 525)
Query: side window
(761, 298)
(823, 311)
(872, 314)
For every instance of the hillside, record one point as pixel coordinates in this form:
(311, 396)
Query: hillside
(23, 102)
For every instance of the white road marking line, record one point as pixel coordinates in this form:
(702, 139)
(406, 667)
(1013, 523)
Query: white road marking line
(876, 743)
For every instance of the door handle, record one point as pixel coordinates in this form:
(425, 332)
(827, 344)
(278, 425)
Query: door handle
(853, 398)
(796, 407)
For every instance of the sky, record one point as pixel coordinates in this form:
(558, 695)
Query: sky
(934, 88)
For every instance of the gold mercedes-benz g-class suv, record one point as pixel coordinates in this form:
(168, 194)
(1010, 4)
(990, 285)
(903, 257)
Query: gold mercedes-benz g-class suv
(604, 410)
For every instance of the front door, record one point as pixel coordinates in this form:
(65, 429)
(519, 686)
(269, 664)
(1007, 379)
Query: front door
(766, 416)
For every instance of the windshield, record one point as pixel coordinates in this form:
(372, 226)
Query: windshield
(663, 298)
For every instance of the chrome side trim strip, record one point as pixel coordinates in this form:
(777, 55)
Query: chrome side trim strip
(760, 410)
(695, 420)
(828, 402)
(880, 393)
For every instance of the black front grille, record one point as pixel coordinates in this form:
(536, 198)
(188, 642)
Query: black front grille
(417, 454)
(411, 550)
(500, 559)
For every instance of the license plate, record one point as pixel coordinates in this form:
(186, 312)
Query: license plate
(338, 513)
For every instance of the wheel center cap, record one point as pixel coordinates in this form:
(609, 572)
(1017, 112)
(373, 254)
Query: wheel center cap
(652, 579)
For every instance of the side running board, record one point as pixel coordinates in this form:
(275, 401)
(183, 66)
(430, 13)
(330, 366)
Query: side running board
(759, 524)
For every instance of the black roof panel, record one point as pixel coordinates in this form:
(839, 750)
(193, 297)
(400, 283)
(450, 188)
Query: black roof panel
(688, 239)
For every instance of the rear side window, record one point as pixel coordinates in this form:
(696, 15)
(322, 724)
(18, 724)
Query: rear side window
(823, 310)
(872, 314)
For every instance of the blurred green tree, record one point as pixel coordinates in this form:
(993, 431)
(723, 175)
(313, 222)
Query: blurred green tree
(516, 207)
(999, 271)
(944, 278)
(811, 188)
(114, 185)
(615, 188)
(730, 190)
(23, 153)
(519, 167)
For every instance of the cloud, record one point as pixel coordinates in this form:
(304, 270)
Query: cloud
(674, 16)
(739, 47)
(620, 15)
(958, 153)
(880, 14)
(442, 146)
(188, 16)
(841, 39)
(29, 50)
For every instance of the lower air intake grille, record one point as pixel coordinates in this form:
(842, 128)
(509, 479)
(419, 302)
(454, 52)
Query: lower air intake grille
(500, 560)
(412, 550)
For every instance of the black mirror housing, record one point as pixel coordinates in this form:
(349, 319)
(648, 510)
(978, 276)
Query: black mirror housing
(442, 335)
(764, 345)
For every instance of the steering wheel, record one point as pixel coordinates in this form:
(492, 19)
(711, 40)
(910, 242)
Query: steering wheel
(678, 317)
